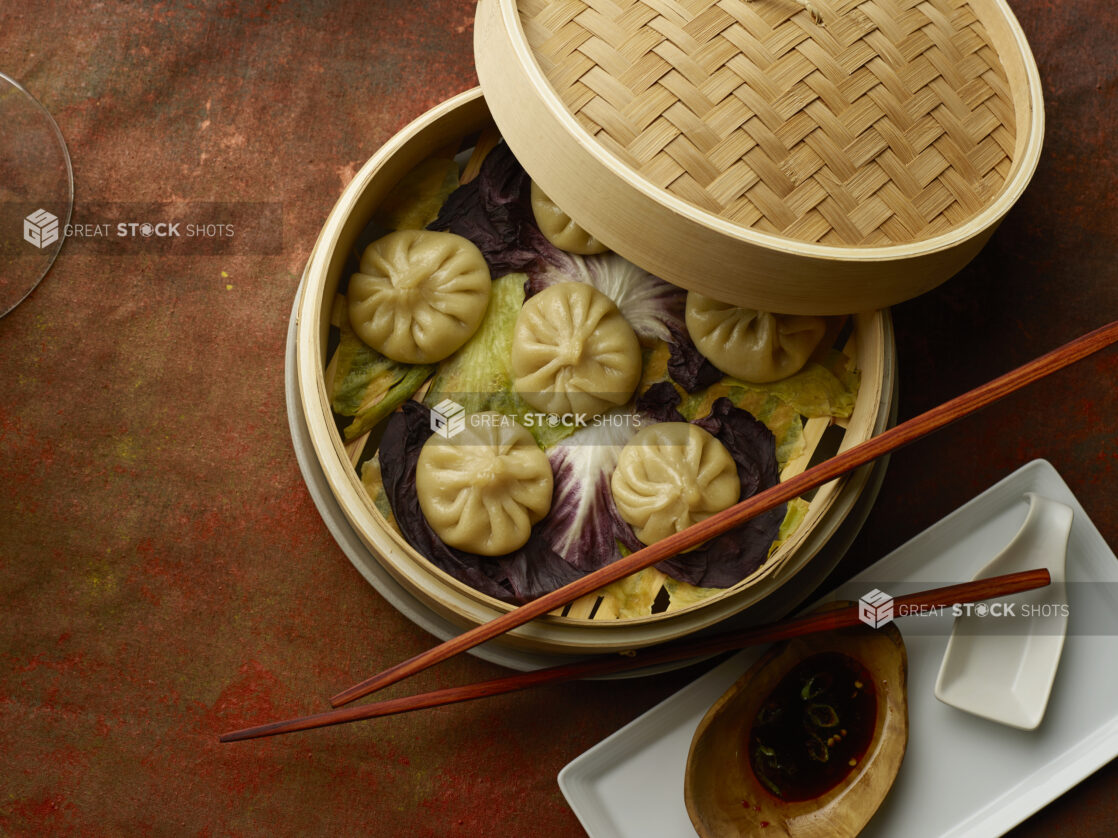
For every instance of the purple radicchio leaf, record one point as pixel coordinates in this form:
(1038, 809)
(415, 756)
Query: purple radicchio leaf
(727, 559)
(687, 366)
(518, 577)
(660, 402)
(554, 266)
(494, 211)
(583, 525)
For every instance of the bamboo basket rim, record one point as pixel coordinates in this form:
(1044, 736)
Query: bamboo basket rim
(556, 633)
(1023, 165)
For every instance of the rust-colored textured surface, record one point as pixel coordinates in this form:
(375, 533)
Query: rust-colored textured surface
(164, 576)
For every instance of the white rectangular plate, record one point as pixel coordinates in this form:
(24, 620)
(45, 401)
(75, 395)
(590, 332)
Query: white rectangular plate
(962, 775)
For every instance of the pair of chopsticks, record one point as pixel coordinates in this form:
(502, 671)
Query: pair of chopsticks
(859, 455)
(838, 618)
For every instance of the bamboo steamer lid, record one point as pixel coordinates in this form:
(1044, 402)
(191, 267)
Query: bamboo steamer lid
(798, 156)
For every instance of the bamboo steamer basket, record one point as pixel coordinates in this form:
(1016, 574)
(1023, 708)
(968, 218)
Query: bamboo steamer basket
(805, 157)
(585, 626)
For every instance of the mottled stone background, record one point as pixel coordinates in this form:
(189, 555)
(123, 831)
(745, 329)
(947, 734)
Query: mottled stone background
(164, 575)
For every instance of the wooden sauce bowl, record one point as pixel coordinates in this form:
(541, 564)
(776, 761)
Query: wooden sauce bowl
(725, 798)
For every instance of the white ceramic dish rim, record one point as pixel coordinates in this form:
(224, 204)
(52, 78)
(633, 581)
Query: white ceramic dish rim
(1023, 786)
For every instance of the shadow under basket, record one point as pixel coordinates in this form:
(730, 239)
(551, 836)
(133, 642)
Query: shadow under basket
(589, 625)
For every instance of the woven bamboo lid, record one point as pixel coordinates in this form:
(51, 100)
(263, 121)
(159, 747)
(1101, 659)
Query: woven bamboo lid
(804, 157)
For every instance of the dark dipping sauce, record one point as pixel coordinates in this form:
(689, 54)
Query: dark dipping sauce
(814, 728)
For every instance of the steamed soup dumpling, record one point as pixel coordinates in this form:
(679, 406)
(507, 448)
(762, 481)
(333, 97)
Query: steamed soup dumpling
(752, 345)
(559, 229)
(573, 352)
(483, 489)
(418, 295)
(672, 475)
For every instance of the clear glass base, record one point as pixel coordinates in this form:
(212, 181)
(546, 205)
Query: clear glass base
(36, 192)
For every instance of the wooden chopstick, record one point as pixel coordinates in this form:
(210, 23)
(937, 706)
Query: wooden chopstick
(852, 458)
(837, 618)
